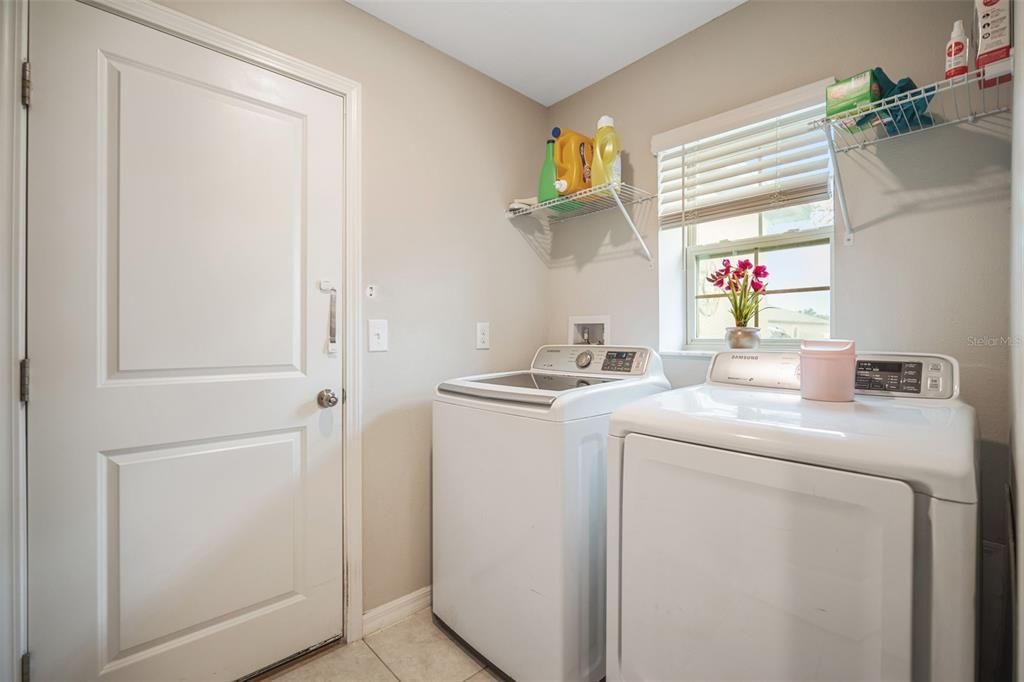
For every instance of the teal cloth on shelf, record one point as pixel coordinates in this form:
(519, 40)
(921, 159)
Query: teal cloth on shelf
(901, 116)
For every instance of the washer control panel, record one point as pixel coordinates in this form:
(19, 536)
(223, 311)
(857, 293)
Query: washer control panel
(892, 374)
(611, 360)
(618, 361)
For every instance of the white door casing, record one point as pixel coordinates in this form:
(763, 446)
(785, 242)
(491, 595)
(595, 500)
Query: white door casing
(13, 51)
(185, 489)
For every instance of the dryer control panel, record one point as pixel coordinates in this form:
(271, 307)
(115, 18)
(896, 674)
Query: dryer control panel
(913, 376)
(610, 360)
(907, 375)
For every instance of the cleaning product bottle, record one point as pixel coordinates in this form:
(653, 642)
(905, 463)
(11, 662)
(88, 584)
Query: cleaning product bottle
(546, 185)
(573, 154)
(957, 51)
(995, 41)
(606, 167)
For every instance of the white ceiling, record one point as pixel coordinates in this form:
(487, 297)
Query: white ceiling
(547, 50)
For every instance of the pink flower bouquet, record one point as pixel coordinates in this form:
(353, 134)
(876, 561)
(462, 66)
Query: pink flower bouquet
(744, 285)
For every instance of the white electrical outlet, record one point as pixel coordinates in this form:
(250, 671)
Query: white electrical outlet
(483, 335)
(378, 333)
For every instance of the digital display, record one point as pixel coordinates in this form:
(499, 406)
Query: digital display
(873, 366)
(890, 376)
(618, 361)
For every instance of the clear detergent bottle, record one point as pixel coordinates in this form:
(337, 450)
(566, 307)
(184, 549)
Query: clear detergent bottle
(607, 166)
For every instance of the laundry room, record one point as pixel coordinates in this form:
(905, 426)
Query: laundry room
(574, 340)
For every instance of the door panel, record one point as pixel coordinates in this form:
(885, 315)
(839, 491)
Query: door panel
(737, 567)
(194, 165)
(245, 497)
(184, 486)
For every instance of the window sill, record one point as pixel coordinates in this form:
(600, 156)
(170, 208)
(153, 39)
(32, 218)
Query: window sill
(709, 350)
(692, 354)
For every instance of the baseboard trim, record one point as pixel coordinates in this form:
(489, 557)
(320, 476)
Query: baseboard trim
(394, 611)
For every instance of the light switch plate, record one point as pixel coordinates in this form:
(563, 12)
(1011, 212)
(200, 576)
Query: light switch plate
(378, 333)
(483, 335)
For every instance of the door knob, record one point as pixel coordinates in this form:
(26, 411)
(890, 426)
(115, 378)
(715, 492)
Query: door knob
(326, 398)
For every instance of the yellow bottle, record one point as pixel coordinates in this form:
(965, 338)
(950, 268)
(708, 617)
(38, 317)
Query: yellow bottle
(573, 154)
(606, 167)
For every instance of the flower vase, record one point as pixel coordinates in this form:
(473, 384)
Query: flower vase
(745, 338)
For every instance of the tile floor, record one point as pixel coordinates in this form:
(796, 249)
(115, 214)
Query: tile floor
(413, 650)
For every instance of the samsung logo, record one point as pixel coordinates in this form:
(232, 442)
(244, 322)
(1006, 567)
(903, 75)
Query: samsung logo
(745, 357)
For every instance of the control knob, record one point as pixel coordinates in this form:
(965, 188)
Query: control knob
(584, 359)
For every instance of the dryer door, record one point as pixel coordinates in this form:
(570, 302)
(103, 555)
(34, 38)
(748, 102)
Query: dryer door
(739, 567)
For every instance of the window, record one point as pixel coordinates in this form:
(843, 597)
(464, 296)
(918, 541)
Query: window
(760, 191)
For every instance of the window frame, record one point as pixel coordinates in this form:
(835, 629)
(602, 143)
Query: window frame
(730, 248)
(676, 327)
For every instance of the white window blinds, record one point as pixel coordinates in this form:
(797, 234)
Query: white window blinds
(778, 162)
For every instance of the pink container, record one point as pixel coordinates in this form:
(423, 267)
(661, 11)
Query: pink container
(828, 370)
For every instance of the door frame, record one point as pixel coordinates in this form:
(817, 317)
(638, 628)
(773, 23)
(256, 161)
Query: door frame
(13, 446)
(13, 536)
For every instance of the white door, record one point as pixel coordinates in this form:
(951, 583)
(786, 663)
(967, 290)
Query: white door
(735, 567)
(184, 485)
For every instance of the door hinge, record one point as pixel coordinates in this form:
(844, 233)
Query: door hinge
(26, 84)
(24, 383)
(25, 674)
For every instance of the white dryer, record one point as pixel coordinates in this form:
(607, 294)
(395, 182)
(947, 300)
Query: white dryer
(519, 481)
(754, 535)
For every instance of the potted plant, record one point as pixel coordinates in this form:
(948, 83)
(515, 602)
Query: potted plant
(745, 287)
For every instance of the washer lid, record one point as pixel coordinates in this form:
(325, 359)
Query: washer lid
(930, 446)
(521, 387)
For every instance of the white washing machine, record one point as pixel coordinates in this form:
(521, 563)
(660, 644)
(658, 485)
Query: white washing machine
(753, 535)
(519, 506)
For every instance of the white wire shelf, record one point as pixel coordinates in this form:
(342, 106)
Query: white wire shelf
(583, 203)
(951, 101)
(960, 99)
(587, 202)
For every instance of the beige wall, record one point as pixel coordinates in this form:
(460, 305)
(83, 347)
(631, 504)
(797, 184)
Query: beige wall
(933, 207)
(445, 148)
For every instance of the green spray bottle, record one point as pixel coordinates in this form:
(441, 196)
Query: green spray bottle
(546, 185)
